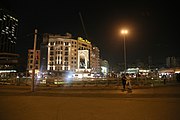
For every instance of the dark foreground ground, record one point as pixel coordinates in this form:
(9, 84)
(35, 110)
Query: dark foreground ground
(72, 103)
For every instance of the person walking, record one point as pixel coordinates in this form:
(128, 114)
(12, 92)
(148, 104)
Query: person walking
(164, 79)
(124, 82)
(128, 82)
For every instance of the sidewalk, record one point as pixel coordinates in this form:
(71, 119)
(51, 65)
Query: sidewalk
(172, 91)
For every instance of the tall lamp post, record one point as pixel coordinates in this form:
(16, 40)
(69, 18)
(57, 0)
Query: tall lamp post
(124, 32)
(34, 59)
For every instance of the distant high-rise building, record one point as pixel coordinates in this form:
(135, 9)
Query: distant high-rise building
(8, 38)
(149, 62)
(178, 61)
(171, 62)
(8, 29)
(44, 53)
(95, 60)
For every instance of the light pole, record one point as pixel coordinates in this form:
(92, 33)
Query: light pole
(34, 57)
(124, 32)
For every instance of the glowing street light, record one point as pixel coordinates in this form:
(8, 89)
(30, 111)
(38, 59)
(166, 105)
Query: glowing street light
(124, 32)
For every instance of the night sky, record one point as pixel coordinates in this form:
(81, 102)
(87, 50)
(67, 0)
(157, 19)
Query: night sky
(153, 26)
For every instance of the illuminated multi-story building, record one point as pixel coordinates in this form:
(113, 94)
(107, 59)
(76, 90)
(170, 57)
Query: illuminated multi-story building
(95, 60)
(30, 61)
(8, 38)
(62, 53)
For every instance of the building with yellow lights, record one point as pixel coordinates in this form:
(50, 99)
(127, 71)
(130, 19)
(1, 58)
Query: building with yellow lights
(30, 61)
(63, 53)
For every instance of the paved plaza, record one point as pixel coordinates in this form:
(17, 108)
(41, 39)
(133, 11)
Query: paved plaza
(156, 103)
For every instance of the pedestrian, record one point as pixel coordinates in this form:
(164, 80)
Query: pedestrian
(124, 82)
(128, 82)
(164, 79)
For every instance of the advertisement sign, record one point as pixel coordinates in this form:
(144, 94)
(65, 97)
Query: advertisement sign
(83, 59)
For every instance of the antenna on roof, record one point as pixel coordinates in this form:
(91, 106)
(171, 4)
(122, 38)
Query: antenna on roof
(83, 25)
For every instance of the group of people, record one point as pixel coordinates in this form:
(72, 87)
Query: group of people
(126, 81)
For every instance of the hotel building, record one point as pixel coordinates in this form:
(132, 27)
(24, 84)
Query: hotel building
(63, 53)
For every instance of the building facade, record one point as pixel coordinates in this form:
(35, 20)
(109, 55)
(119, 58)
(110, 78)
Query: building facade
(84, 49)
(44, 52)
(30, 61)
(8, 39)
(95, 60)
(171, 62)
(60, 53)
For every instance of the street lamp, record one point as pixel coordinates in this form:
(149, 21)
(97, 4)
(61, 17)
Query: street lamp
(124, 32)
(34, 57)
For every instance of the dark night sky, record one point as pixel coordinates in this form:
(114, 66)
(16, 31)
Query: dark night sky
(153, 26)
